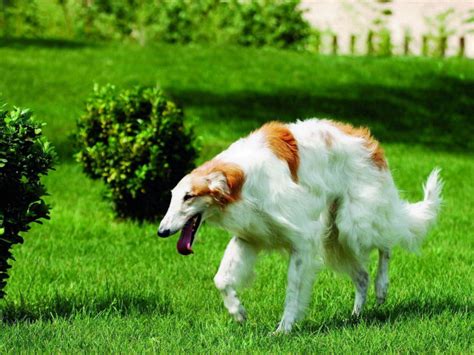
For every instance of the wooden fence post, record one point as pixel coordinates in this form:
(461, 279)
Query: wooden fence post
(462, 46)
(370, 43)
(352, 44)
(443, 44)
(406, 45)
(334, 44)
(424, 46)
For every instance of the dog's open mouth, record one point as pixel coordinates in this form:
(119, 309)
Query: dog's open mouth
(188, 233)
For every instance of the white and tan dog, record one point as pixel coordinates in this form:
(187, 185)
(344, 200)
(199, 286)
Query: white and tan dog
(319, 189)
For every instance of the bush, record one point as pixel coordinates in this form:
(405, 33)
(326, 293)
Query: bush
(277, 23)
(25, 155)
(269, 22)
(137, 143)
(250, 23)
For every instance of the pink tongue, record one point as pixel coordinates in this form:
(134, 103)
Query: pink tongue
(185, 240)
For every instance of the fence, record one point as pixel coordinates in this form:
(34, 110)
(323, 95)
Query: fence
(381, 44)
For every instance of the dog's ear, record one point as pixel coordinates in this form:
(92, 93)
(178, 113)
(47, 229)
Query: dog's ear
(218, 187)
(222, 181)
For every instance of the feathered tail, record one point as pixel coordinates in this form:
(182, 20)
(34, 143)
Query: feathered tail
(422, 215)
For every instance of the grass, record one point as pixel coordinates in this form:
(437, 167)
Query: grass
(84, 281)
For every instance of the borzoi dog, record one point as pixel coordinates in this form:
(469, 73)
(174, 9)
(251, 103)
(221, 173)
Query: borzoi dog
(321, 190)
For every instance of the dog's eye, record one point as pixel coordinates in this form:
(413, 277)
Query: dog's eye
(187, 197)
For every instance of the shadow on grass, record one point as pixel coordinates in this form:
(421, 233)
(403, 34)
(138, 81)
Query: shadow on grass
(59, 307)
(379, 316)
(65, 149)
(14, 42)
(440, 116)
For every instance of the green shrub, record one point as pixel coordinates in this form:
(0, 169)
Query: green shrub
(440, 28)
(269, 22)
(250, 23)
(25, 155)
(277, 23)
(104, 19)
(21, 17)
(136, 142)
(382, 43)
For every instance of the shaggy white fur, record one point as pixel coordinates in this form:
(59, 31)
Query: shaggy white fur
(340, 208)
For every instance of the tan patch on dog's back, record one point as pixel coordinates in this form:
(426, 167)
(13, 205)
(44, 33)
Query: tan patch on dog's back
(283, 144)
(327, 138)
(377, 153)
(233, 174)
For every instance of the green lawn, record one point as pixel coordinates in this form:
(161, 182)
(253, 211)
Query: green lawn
(84, 281)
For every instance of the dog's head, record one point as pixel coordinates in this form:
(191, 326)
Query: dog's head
(205, 191)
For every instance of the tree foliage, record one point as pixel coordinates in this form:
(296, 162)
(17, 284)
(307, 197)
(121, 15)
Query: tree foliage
(25, 156)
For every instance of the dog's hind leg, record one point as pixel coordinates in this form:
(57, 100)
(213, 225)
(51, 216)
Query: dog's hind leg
(236, 270)
(381, 281)
(301, 274)
(360, 278)
(342, 258)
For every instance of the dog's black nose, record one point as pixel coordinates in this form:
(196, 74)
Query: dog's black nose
(164, 233)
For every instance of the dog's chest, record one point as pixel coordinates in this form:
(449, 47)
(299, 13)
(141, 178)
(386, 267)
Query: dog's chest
(254, 226)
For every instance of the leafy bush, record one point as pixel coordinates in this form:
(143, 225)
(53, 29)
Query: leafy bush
(249, 23)
(379, 43)
(137, 143)
(268, 22)
(277, 23)
(25, 155)
(21, 17)
(440, 28)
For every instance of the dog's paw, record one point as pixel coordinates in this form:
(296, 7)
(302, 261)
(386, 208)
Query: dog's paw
(381, 291)
(381, 297)
(381, 300)
(356, 314)
(281, 329)
(240, 316)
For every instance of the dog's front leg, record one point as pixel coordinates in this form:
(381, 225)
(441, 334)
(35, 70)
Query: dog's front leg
(301, 274)
(236, 270)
